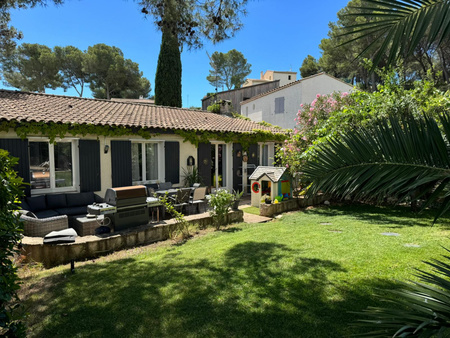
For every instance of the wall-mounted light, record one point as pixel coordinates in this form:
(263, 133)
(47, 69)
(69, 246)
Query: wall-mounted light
(190, 161)
(106, 149)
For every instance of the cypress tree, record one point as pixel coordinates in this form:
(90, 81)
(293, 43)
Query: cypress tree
(168, 72)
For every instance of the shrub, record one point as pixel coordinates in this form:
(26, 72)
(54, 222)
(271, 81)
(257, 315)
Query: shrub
(10, 235)
(181, 228)
(220, 205)
(214, 108)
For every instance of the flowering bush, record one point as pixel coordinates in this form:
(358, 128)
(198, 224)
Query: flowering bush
(329, 115)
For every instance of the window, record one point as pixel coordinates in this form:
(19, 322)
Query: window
(279, 105)
(53, 166)
(289, 77)
(146, 162)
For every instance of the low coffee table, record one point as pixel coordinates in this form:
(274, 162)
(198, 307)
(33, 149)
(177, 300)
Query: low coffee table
(85, 226)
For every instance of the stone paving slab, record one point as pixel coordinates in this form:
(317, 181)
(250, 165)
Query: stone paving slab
(251, 218)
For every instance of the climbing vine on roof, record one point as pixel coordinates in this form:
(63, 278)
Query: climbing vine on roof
(245, 139)
(54, 130)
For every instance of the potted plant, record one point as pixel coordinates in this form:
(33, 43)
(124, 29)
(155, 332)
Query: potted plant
(191, 176)
(235, 199)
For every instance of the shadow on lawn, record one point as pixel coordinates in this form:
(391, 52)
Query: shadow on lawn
(403, 216)
(259, 290)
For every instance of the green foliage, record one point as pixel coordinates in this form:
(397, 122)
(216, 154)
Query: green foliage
(71, 61)
(228, 69)
(191, 176)
(111, 75)
(214, 108)
(191, 21)
(220, 205)
(245, 139)
(10, 236)
(168, 72)
(421, 309)
(329, 115)
(397, 27)
(33, 67)
(239, 116)
(389, 159)
(8, 34)
(180, 231)
(310, 66)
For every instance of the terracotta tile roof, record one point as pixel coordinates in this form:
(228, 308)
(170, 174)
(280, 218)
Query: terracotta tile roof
(26, 106)
(289, 85)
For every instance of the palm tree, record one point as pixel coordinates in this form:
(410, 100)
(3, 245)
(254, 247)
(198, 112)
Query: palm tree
(391, 159)
(394, 158)
(401, 25)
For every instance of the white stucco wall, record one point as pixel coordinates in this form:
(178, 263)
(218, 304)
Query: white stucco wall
(304, 91)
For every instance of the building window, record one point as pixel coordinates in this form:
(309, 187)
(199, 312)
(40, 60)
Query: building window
(279, 105)
(246, 110)
(53, 166)
(146, 161)
(289, 77)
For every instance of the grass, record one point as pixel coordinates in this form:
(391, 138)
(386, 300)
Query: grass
(251, 210)
(298, 276)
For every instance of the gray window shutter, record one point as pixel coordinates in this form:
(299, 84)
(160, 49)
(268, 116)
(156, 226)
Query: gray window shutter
(89, 165)
(19, 148)
(121, 163)
(172, 162)
(279, 105)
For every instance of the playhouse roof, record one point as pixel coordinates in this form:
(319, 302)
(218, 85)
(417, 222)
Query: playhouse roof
(273, 173)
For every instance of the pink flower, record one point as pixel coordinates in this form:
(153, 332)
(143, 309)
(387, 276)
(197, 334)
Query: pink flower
(301, 105)
(318, 95)
(287, 165)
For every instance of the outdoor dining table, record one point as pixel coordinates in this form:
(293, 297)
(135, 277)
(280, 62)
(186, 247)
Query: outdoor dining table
(169, 192)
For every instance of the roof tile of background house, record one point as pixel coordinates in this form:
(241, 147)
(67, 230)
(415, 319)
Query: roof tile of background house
(26, 106)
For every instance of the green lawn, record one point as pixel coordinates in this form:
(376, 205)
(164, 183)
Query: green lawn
(294, 277)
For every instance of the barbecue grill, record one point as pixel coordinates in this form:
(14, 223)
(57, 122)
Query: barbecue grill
(131, 205)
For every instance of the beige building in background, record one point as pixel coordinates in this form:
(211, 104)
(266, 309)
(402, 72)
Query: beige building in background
(272, 75)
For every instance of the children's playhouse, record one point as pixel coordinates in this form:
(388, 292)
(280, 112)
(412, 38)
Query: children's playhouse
(274, 182)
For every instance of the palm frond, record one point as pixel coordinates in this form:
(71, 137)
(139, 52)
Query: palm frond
(417, 309)
(391, 159)
(402, 23)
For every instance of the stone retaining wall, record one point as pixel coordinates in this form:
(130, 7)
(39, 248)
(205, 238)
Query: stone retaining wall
(93, 246)
(268, 210)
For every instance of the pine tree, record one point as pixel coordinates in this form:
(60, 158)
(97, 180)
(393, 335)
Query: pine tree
(168, 72)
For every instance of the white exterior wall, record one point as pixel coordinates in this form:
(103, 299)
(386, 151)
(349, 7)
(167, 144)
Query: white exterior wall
(263, 108)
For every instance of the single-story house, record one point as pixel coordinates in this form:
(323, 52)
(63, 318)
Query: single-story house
(280, 106)
(71, 144)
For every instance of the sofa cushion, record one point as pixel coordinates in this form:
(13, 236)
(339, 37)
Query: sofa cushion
(80, 210)
(26, 213)
(36, 203)
(46, 213)
(80, 199)
(56, 201)
(24, 205)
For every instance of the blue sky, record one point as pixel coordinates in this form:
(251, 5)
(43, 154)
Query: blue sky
(277, 35)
